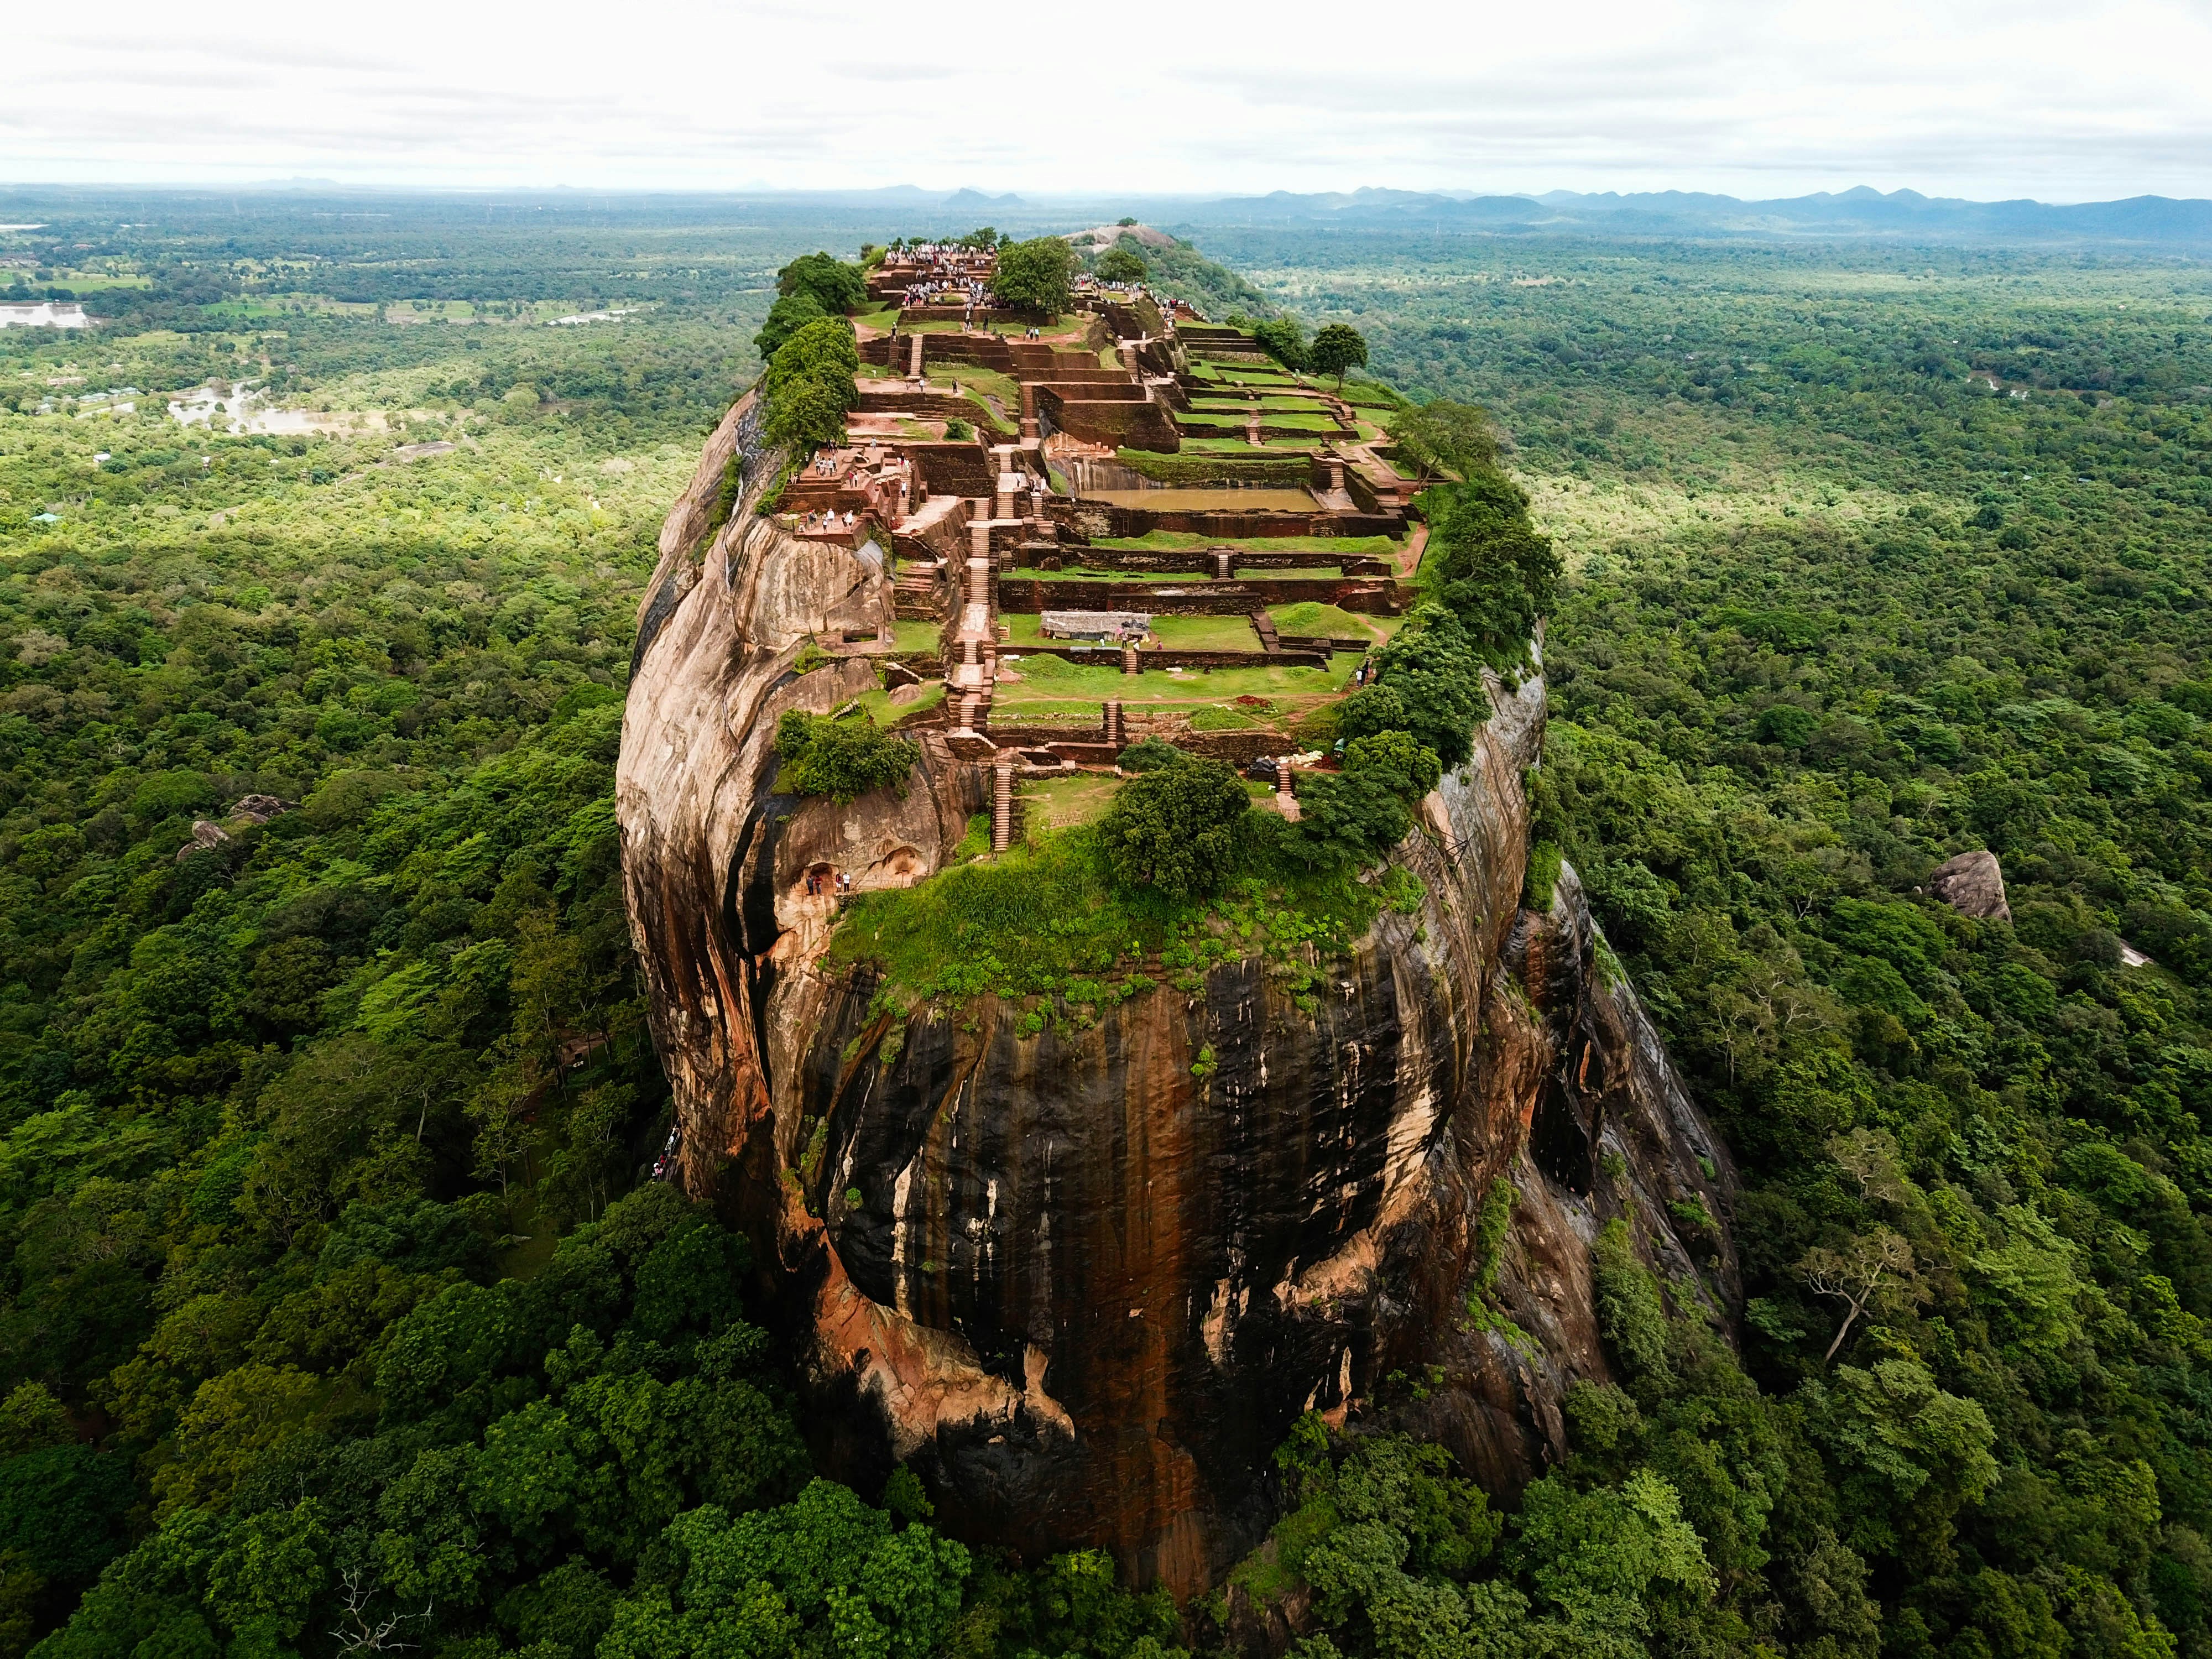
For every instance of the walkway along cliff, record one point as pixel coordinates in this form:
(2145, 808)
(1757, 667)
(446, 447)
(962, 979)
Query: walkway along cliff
(1084, 1283)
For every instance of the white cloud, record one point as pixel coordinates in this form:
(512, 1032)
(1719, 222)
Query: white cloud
(2062, 102)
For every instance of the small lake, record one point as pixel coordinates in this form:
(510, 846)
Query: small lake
(1209, 499)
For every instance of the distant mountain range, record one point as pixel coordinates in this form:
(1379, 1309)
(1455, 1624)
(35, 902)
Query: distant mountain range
(1903, 214)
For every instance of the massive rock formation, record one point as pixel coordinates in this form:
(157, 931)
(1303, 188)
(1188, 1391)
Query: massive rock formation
(1084, 1283)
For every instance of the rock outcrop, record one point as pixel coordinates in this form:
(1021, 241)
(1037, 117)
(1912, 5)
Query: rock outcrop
(1083, 1282)
(1972, 883)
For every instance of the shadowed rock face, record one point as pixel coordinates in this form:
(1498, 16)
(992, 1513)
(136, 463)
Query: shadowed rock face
(1084, 1283)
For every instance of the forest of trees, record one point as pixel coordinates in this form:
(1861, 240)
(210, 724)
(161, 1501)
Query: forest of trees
(337, 1313)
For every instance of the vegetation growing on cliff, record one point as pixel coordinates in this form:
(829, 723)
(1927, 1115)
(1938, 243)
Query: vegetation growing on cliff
(811, 287)
(843, 759)
(810, 384)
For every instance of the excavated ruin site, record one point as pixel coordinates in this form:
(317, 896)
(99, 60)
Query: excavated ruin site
(1081, 1266)
(1230, 605)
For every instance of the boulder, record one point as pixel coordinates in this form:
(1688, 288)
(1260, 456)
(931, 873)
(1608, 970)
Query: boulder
(1972, 883)
(204, 835)
(259, 808)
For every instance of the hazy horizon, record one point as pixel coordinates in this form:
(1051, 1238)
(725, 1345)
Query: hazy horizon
(2054, 103)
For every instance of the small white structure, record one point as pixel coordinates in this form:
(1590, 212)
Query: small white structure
(44, 314)
(1115, 626)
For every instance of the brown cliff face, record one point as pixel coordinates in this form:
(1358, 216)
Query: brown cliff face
(1084, 1283)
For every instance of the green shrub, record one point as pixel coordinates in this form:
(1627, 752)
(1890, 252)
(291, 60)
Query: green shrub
(958, 431)
(1543, 875)
(1283, 339)
(1629, 1312)
(1357, 815)
(841, 759)
(1150, 754)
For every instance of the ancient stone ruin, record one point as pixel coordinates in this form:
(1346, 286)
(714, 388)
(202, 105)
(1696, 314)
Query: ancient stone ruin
(1082, 1276)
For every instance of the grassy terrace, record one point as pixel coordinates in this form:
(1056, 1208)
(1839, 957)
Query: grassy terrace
(917, 635)
(1238, 446)
(1231, 405)
(1301, 423)
(1309, 617)
(1075, 690)
(882, 711)
(1047, 921)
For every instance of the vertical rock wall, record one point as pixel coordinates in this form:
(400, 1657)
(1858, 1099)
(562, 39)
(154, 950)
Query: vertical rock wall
(1084, 1283)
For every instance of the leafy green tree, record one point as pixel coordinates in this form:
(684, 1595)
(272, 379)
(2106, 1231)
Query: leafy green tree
(1121, 264)
(1177, 828)
(1598, 1557)
(1338, 348)
(810, 384)
(811, 287)
(834, 286)
(1442, 433)
(1910, 1453)
(1035, 275)
(1428, 682)
(788, 314)
(1487, 563)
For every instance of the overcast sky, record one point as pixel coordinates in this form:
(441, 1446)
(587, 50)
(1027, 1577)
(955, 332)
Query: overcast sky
(2082, 101)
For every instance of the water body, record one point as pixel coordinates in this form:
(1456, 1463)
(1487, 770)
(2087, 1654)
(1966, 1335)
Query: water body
(1209, 499)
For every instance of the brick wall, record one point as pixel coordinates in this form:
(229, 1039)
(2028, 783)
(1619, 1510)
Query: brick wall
(1367, 596)
(1102, 519)
(1197, 561)
(1136, 425)
(954, 469)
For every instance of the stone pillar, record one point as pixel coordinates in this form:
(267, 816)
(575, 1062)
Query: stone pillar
(1002, 806)
(1128, 660)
